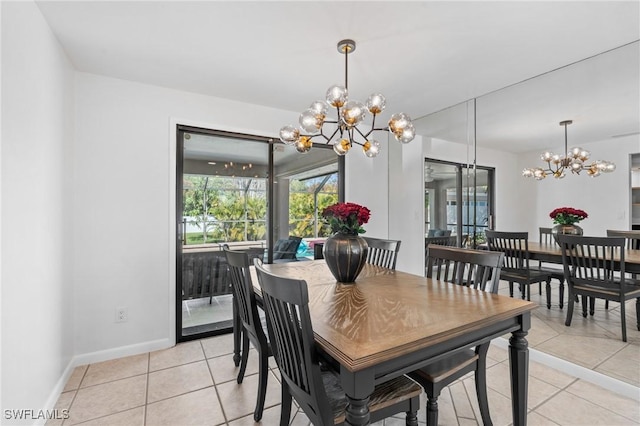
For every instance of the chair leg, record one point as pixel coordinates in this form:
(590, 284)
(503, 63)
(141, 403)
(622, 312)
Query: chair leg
(623, 320)
(606, 304)
(561, 290)
(548, 288)
(481, 384)
(412, 418)
(638, 313)
(584, 305)
(511, 288)
(285, 408)
(432, 411)
(570, 306)
(540, 287)
(237, 335)
(263, 374)
(592, 305)
(245, 357)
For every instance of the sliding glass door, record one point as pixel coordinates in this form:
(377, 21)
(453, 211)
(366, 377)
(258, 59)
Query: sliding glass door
(245, 192)
(458, 202)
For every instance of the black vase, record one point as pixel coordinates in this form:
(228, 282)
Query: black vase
(345, 255)
(566, 230)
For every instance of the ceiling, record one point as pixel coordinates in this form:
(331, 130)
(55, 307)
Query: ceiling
(424, 56)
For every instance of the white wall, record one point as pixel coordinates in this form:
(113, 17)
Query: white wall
(37, 152)
(605, 198)
(125, 168)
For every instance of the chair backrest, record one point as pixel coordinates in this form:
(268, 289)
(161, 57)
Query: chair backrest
(243, 294)
(435, 232)
(286, 248)
(382, 252)
(286, 303)
(450, 240)
(632, 238)
(514, 245)
(479, 269)
(545, 236)
(591, 261)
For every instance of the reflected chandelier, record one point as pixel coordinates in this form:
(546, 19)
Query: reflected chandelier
(574, 160)
(350, 114)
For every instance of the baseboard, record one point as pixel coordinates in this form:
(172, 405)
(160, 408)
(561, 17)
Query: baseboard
(618, 386)
(99, 356)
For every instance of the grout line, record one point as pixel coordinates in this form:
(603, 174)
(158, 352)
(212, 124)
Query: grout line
(146, 396)
(599, 379)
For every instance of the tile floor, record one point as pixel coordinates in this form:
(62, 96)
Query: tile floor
(194, 383)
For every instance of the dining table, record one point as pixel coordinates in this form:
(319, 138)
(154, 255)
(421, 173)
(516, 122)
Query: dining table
(389, 323)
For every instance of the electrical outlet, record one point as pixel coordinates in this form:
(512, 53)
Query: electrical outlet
(121, 314)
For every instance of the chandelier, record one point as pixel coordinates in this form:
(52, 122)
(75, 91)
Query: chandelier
(574, 160)
(343, 131)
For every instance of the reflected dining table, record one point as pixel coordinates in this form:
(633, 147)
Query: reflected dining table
(551, 253)
(390, 323)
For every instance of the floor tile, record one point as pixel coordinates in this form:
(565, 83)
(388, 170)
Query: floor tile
(240, 400)
(108, 398)
(182, 353)
(588, 352)
(116, 369)
(201, 407)
(498, 379)
(64, 402)
(178, 380)
(624, 365)
(219, 345)
(610, 400)
(568, 409)
(76, 378)
(133, 417)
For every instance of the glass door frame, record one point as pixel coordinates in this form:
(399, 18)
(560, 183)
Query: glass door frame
(460, 197)
(180, 132)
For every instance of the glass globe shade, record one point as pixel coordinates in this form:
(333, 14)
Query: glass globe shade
(320, 108)
(398, 121)
(289, 134)
(376, 103)
(527, 172)
(353, 113)
(337, 96)
(341, 147)
(304, 144)
(309, 121)
(547, 156)
(371, 148)
(407, 134)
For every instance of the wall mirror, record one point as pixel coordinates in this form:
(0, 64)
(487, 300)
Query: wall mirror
(601, 95)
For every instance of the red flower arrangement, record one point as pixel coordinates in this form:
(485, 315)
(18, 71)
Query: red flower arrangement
(567, 215)
(347, 218)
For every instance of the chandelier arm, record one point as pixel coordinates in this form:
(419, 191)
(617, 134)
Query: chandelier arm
(332, 135)
(362, 134)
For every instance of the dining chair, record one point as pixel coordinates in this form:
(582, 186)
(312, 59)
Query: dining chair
(479, 269)
(590, 270)
(546, 237)
(516, 266)
(632, 242)
(632, 238)
(382, 252)
(251, 326)
(317, 390)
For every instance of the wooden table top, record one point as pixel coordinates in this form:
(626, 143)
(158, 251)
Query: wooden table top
(631, 257)
(389, 313)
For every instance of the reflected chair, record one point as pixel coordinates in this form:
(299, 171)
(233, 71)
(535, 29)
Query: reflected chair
(591, 266)
(317, 390)
(286, 248)
(546, 237)
(251, 326)
(632, 238)
(382, 252)
(632, 242)
(516, 267)
(479, 269)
